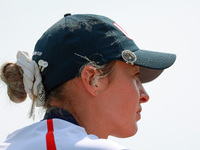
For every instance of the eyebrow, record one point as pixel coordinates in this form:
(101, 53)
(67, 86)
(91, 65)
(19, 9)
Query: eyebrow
(134, 69)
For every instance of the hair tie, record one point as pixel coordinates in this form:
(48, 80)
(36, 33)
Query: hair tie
(31, 78)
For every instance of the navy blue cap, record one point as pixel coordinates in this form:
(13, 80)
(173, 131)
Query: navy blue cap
(66, 44)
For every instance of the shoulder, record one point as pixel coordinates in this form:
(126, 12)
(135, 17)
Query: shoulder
(91, 142)
(25, 138)
(75, 137)
(63, 133)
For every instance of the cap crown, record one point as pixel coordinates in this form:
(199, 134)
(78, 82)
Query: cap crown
(92, 36)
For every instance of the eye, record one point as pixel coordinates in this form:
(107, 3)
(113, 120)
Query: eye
(136, 75)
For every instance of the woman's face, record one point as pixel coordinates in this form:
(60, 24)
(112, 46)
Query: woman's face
(123, 98)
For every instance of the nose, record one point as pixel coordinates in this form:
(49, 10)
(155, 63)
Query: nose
(144, 97)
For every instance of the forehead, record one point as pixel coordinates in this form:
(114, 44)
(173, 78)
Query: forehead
(120, 65)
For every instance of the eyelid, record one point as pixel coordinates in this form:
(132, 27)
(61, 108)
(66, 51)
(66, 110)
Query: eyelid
(136, 75)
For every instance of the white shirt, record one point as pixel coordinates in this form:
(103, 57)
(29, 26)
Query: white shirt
(56, 134)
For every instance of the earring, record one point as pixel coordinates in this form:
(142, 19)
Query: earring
(96, 93)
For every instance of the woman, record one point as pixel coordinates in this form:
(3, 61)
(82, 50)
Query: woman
(88, 73)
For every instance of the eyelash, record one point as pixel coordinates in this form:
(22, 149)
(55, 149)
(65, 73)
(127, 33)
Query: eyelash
(136, 75)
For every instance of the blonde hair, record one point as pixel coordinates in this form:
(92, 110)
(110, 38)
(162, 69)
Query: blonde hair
(59, 92)
(12, 75)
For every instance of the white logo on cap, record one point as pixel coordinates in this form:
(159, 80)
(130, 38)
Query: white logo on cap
(42, 64)
(37, 53)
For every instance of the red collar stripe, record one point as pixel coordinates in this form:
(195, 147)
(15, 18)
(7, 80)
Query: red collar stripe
(50, 142)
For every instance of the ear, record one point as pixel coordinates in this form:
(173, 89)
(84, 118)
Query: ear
(90, 78)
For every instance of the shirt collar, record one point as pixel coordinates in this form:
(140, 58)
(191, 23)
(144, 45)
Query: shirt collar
(56, 112)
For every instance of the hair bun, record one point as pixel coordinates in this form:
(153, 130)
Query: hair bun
(12, 75)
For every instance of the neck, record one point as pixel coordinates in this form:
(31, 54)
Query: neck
(93, 126)
(93, 121)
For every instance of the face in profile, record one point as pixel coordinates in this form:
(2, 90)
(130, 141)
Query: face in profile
(123, 98)
(116, 108)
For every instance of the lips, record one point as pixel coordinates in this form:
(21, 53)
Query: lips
(139, 109)
(138, 115)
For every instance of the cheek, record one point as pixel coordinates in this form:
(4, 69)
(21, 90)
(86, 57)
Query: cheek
(133, 91)
(128, 96)
(132, 99)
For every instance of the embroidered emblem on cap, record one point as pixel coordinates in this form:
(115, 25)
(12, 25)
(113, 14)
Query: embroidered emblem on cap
(42, 64)
(129, 56)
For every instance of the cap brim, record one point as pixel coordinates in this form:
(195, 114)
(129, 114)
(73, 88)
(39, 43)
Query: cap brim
(152, 63)
(147, 75)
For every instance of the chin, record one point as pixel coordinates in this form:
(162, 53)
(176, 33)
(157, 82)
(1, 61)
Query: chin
(127, 133)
